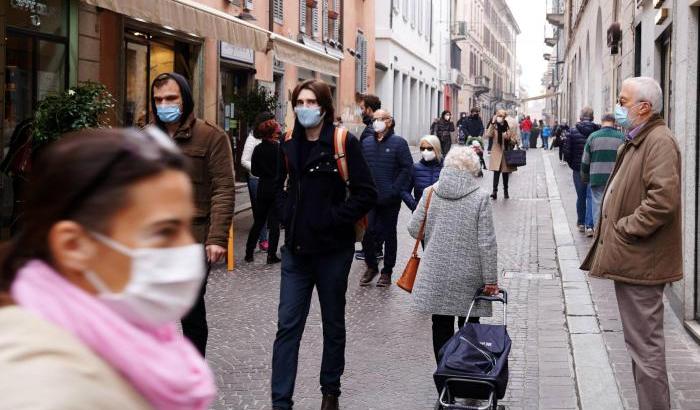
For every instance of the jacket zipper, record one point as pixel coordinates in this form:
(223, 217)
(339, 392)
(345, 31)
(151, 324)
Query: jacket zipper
(488, 357)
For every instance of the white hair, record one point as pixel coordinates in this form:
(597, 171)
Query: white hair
(647, 89)
(463, 158)
(434, 142)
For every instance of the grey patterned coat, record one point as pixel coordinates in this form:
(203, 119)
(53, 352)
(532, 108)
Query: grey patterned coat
(460, 246)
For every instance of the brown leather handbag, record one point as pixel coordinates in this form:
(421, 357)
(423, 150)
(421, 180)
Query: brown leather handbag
(408, 277)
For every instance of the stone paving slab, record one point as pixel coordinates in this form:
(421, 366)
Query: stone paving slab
(389, 348)
(682, 351)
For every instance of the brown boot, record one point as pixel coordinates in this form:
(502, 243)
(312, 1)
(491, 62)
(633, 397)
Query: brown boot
(330, 402)
(384, 280)
(367, 277)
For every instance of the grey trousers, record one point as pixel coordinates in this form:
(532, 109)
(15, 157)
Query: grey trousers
(642, 313)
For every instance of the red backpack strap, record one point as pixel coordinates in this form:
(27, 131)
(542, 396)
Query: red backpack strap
(340, 137)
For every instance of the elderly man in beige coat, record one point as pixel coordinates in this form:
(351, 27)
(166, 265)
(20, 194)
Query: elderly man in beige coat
(638, 243)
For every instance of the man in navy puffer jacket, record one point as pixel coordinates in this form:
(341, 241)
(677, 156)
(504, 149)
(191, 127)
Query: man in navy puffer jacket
(573, 148)
(390, 163)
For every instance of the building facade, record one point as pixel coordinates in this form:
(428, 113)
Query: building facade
(599, 44)
(410, 53)
(486, 33)
(224, 48)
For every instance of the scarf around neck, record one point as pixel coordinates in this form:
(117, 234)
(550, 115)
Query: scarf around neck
(158, 362)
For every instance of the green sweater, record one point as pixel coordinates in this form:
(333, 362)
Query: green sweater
(599, 156)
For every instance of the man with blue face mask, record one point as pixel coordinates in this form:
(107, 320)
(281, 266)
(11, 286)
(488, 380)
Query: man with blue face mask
(320, 198)
(639, 242)
(211, 171)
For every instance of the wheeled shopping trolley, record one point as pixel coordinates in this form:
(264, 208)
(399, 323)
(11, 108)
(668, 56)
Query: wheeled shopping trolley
(472, 372)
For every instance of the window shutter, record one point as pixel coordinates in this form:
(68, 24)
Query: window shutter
(278, 11)
(314, 21)
(365, 59)
(302, 16)
(248, 4)
(326, 27)
(336, 24)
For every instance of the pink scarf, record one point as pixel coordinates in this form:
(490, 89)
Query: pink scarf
(159, 363)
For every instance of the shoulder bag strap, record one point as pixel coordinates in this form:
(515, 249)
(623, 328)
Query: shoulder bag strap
(421, 231)
(340, 136)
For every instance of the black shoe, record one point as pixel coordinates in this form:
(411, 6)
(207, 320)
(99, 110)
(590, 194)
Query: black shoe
(384, 280)
(330, 402)
(272, 259)
(505, 194)
(494, 196)
(249, 258)
(368, 276)
(380, 254)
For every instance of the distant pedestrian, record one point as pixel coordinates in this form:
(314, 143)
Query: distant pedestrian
(573, 153)
(319, 211)
(91, 289)
(525, 128)
(505, 139)
(534, 133)
(390, 164)
(639, 244)
(461, 128)
(560, 132)
(252, 181)
(369, 103)
(444, 129)
(598, 161)
(546, 133)
(264, 165)
(473, 125)
(460, 253)
(425, 172)
(211, 171)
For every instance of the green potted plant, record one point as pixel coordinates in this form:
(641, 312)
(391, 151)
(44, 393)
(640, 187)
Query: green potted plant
(84, 106)
(257, 100)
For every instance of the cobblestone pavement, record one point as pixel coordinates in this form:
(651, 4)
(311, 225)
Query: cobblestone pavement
(389, 350)
(682, 352)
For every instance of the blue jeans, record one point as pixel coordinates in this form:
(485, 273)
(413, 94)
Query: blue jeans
(597, 197)
(589, 207)
(581, 194)
(525, 137)
(545, 142)
(328, 272)
(252, 193)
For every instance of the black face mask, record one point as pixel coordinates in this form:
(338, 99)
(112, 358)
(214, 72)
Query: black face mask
(367, 119)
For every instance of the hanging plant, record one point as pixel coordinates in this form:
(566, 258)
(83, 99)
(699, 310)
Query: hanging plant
(84, 106)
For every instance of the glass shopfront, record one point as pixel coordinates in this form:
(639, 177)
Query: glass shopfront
(36, 57)
(149, 53)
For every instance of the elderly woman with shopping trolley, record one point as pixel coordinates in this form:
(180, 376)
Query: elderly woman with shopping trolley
(460, 246)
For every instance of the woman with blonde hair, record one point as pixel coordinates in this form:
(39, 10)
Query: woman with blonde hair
(425, 172)
(504, 138)
(460, 253)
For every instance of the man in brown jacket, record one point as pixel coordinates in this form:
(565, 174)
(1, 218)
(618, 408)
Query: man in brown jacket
(211, 171)
(638, 243)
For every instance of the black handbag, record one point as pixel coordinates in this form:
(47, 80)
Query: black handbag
(516, 157)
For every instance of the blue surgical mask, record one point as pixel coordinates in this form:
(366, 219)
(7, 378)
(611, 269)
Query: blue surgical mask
(168, 113)
(308, 117)
(622, 116)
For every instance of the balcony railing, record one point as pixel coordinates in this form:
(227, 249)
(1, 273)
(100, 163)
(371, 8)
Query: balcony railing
(556, 19)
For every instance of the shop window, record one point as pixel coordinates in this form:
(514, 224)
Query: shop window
(666, 73)
(146, 57)
(45, 16)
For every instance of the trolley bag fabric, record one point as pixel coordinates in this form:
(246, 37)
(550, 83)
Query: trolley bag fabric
(477, 352)
(516, 157)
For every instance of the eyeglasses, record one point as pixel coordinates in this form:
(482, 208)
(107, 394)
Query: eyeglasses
(149, 143)
(426, 148)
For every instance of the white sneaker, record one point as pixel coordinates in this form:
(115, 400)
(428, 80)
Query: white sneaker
(581, 228)
(589, 232)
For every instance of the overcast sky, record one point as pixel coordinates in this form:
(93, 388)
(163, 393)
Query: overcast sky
(531, 18)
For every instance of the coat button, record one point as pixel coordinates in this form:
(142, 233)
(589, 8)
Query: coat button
(298, 247)
(601, 242)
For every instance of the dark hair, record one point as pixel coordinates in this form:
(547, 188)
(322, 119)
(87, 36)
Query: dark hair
(372, 101)
(83, 177)
(323, 96)
(260, 128)
(445, 112)
(474, 110)
(185, 94)
(608, 117)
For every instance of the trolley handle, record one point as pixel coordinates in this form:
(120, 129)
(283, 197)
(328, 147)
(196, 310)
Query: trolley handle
(503, 296)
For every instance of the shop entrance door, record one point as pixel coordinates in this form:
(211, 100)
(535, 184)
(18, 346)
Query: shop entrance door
(234, 83)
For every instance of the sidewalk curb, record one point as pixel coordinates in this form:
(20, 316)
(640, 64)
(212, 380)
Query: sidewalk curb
(595, 381)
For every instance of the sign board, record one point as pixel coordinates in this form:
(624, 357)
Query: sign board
(231, 52)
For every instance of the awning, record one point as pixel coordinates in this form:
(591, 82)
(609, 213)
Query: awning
(301, 55)
(191, 17)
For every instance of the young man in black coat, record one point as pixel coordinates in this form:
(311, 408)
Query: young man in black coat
(319, 216)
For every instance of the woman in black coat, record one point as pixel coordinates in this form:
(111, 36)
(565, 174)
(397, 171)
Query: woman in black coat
(444, 128)
(264, 166)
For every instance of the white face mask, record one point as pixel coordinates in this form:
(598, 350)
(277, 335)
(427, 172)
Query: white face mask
(164, 283)
(428, 155)
(379, 126)
(499, 120)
